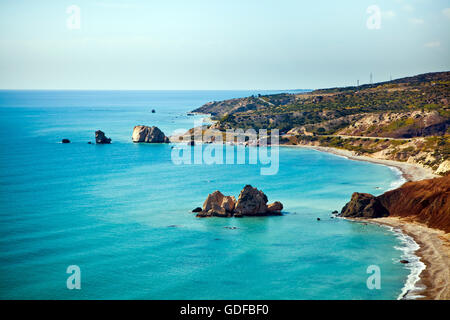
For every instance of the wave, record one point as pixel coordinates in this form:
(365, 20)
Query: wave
(411, 289)
(399, 181)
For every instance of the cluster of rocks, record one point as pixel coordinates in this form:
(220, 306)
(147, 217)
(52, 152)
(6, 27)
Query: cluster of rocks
(149, 135)
(251, 202)
(140, 134)
(100, 138)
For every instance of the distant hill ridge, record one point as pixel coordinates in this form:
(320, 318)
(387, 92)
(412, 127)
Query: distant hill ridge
(413, 110)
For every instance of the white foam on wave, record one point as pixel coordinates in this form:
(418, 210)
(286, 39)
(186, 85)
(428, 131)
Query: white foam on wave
(416, 266)
(397, 182)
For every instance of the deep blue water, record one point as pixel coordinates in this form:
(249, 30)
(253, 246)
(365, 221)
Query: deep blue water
(121, 212)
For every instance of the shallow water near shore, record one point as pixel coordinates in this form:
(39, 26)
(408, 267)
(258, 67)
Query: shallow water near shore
(121, 212)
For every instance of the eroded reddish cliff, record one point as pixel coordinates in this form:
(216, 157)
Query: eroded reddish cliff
(425, 201)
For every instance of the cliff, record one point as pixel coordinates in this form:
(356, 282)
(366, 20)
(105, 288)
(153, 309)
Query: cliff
(425, 201)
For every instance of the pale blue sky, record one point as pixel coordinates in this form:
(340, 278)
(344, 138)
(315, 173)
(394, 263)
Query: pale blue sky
(245, 44)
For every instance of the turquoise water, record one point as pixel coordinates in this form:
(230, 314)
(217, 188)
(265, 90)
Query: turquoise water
(121, 212)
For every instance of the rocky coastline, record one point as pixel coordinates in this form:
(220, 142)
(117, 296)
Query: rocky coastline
(420, 209)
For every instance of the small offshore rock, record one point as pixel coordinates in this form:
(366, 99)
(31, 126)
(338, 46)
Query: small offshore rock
(198, 209)
(100, 138)
(65, 141)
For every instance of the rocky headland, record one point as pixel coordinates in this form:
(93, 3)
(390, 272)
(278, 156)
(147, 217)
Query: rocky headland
(425, 201)
(405, 120)
(147, 134)
(251, 202)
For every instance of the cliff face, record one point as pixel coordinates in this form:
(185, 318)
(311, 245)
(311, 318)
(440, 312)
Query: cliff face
(425, 201)
(399, 125)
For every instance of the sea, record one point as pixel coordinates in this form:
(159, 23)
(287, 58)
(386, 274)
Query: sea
(120, 214)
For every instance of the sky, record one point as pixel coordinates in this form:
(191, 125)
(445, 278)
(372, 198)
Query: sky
(218, 45)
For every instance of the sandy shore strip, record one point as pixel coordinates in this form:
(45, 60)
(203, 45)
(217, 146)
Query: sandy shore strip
(410, 171)
(434, 252)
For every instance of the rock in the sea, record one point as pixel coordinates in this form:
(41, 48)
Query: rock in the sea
(218, 211)
(65, 141)
(153, 111)
(251, 202)
(100, 138)
(275, 207)
(404, 261)
(198, 209)
(149, 135)
(214, 198)
(218, 204)
(364, 205)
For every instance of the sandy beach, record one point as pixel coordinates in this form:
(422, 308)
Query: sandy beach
(434, 244)
(410, 171)
(434, 251)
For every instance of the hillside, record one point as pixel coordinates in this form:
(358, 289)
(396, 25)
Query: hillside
(405, 119)
(428, 93)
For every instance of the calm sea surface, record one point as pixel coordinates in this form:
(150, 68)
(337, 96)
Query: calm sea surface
(121, 212)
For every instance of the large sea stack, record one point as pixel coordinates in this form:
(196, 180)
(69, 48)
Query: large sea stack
(251, 202)
(149, 135)
(425, 201)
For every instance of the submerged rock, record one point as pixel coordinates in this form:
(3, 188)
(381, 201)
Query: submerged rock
(100, 138)
(148, 135)
(251, 202)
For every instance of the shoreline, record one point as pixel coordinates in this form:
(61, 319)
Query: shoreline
(433, 282)
(410, 171)
(432, 246)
